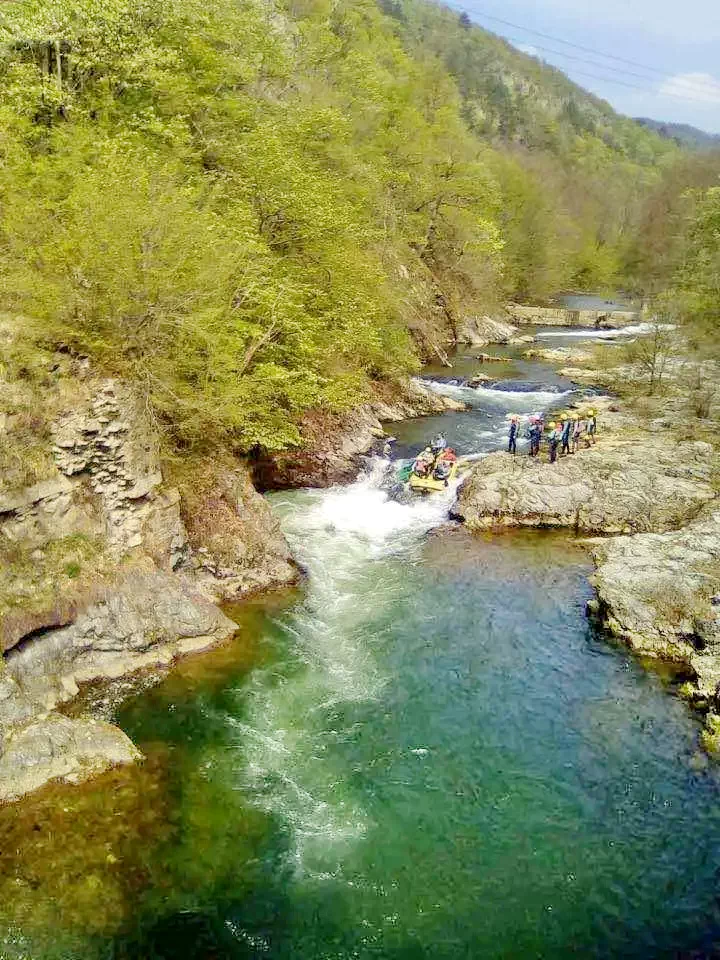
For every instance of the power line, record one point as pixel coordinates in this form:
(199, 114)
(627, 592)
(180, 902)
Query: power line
(698, 85)
(618, 70)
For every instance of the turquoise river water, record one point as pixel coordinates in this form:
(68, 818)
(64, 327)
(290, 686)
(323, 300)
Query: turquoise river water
(424, 752)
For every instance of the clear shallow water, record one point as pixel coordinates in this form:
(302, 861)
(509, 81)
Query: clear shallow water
(424, 753)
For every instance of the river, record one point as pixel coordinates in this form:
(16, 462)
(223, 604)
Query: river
(423, 753)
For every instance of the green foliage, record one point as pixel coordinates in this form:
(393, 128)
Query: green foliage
(697, 284)
(252, 209)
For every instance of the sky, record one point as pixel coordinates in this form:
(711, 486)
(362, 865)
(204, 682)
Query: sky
(674, 46)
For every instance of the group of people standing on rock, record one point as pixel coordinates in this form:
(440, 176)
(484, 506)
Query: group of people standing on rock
(563, 434)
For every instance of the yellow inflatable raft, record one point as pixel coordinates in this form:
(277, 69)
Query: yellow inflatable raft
(431, 484)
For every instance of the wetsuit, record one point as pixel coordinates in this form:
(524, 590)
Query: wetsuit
(535, 436)
(577, 432)
(554, 442)
(592, 428)
(512, 438)
(567, 427)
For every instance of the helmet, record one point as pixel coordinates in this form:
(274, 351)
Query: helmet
(575, 417)
(591, 413)
(552, 425)
(563, 416)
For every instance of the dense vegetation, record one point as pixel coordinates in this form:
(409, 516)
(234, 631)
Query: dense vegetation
(252, 209)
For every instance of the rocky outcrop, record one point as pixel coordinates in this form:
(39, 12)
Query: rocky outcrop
(102, 577)
(660, 594)
(57, 748)
(333, 445)
(559, 355)
(237, 545)
(624, 484)
(481, 331)
(146, 620)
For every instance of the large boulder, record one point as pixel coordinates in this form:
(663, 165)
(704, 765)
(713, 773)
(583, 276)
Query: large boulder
(58, 748)
(659, 593)
(624, 484)
(481, 331)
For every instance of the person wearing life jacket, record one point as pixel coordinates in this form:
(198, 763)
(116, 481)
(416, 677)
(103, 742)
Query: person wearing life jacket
(553, 439)
(438, 444)
(534, 433)
(566, 431)
(512, 435)
(423, 462)
(577, 432)
(591, 426)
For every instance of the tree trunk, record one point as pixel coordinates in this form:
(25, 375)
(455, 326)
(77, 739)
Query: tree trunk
(58, 63)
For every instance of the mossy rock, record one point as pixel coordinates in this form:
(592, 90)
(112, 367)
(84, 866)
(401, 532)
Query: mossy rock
(710, 736)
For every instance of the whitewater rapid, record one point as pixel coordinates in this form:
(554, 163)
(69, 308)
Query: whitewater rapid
(633, 330)
(354, 543)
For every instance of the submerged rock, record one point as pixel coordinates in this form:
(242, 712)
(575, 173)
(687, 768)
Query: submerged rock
(58, 748)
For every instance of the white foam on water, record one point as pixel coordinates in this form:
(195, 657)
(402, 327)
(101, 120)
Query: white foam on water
(347, 539)
(633, 330)
(343, 536)
(516, 401)
(520, 401)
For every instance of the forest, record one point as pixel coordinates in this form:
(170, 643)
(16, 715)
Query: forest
(252, 209)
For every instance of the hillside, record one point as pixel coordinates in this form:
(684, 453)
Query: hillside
(251, 210)
(515, 97)
(682, 133)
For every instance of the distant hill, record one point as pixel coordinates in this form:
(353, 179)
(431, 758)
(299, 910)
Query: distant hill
(513, 97)
(682, 133)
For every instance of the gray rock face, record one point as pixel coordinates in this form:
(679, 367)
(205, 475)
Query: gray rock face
(656, 591)
(333, 445)
(107, 450)
(622, 485)
(146, 620)
(147, 599)
(481, 331)
(57, 748)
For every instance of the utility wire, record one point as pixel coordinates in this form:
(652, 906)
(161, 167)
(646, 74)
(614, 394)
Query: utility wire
(698, 85)
(603, 66)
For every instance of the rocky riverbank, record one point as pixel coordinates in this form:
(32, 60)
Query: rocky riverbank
(103, 576)
(334, 444)
(653, 494)
(115, 563)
